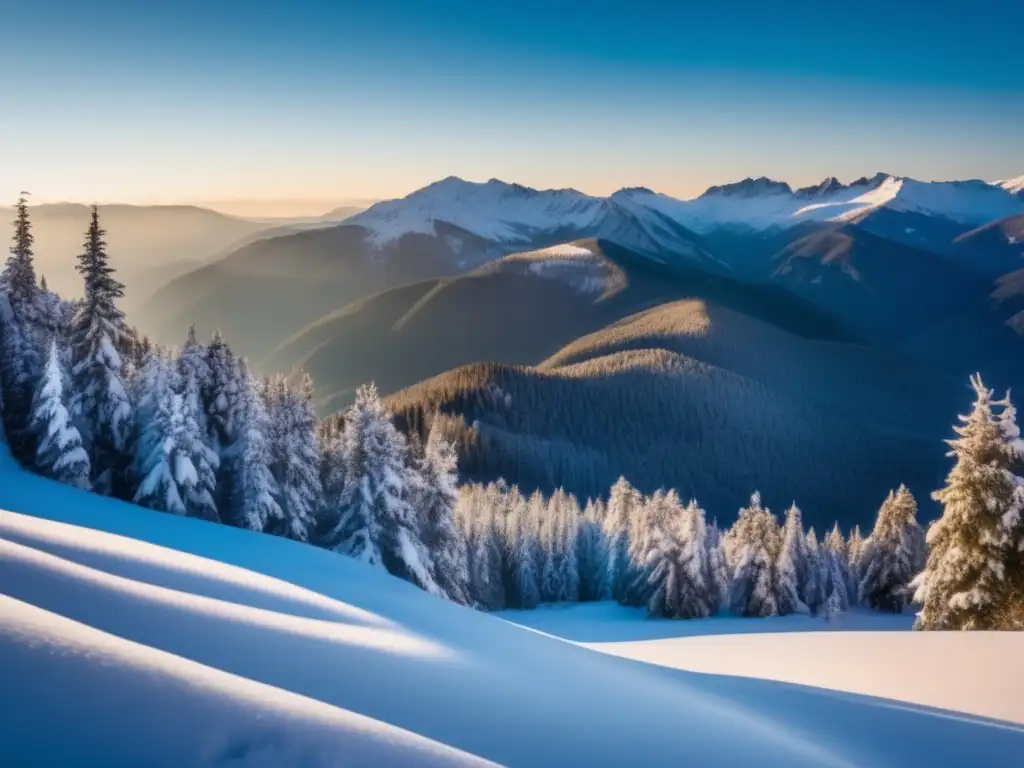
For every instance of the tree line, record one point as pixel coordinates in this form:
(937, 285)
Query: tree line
(87, 401)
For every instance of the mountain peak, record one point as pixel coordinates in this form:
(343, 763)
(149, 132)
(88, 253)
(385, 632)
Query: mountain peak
(826, 187)
(750, 187)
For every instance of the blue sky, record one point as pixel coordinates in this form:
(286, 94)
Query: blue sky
(157, 101)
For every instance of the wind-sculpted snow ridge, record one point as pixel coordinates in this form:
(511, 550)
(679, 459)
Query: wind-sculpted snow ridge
(129, 636)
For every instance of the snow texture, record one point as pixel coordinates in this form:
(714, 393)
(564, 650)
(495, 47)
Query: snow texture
(514, 215)
(151, 638)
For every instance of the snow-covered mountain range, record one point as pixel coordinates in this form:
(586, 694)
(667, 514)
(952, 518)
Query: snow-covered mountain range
(646, 220)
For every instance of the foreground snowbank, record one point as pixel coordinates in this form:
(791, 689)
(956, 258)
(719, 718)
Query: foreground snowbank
(151, 636)
(975, 673)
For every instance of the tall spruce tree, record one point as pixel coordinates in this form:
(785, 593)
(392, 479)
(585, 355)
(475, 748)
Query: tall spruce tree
(295, 457)
(59, 452)
(966, 583)
(719, 578)
(623, 503)
(592, 554)
(375, 522)
(890, 555)
(434, 497)
(21, 359)
(755, 543)
(253, 503)
(676, 562)
(792, 566)
(815, 588)
(838, 582)
(101, 406)
(19, 275)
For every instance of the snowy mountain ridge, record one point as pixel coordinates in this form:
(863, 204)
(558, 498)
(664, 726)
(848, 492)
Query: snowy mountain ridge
(518, 216)
(639, 217)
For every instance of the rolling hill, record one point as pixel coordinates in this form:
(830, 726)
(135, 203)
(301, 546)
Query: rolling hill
(697, 396)
(518, 310)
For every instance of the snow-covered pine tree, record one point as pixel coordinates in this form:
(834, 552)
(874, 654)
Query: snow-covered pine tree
(679, 570)
(435, 494)
(295, 457)
(792, 566)
(965, 583)
(592, 554)
(192, 361)
(529, 554)
(834, 606)
(101, 406)
(199, 496)
(19, 275)
(376, 524)
(22, 354)
(222, 392)
(718, 571)
(817, 573)
(253, 503)
(552, 585)
(838, 569)
(854, 547)
(755, 543)
(623, 502)
(890, 555)
(59, 451)
(568, 525)
(1013, 520)
(18, 374)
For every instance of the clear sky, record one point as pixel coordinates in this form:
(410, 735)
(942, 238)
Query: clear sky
(152, 100)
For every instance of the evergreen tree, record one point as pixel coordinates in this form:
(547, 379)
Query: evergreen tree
(375, 522)
(755, 543)
(854, 548)
(965, 583)
(592, 554)
(623, 502)
(792, 566)
(19, 275)
(435, 495)
(222, 396)
(529, 556)
(295, 457)
(59, 452)
(101, 406)
(678, 571)
(839, 570)
(817, 574)
(889, 557)
(718, 578)
(253, 503)
(19, 376)
(1013, 520)
(199, 496)
(834, 606)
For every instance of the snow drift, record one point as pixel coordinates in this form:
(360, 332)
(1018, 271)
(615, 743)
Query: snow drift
(131, 636)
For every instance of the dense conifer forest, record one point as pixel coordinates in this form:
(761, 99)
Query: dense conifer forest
(88, 401)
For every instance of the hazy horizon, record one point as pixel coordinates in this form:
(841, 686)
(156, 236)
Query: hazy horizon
(192, 101)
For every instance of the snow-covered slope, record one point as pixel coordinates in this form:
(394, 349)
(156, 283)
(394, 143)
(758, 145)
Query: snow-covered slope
(520, 217)
(144, 638)
(646, 220)
(574, 264)
(861, 652)
(764, 204)
(1014, 186)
